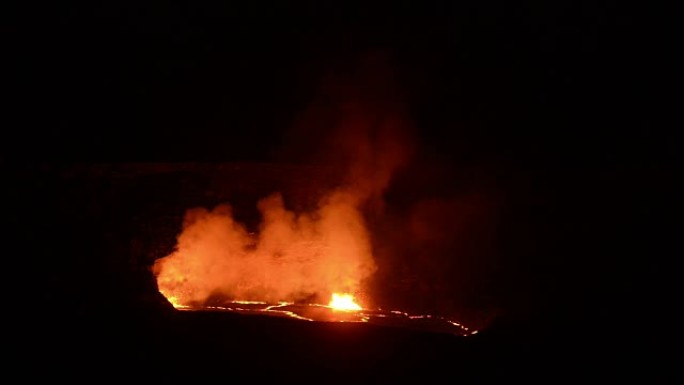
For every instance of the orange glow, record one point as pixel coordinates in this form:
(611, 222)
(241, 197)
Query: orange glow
(174, 301)
(316, 241)
(293, 257)
(313, 239)
(343, 302)
(342, 308)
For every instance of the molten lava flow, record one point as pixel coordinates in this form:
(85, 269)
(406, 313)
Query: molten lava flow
(299, 253)
(343, 302)
(175, 302)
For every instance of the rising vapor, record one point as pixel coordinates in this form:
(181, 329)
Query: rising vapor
(300, 256)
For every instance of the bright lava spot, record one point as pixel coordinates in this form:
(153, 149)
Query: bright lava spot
(174, 301)
(343, 302)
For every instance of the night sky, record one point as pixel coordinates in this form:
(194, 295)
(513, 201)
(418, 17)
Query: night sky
(552, 107)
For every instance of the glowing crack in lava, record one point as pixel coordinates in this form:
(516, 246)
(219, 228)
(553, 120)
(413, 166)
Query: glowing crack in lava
(288, 269)
(293, 262)
(329, 313)
(343, 302)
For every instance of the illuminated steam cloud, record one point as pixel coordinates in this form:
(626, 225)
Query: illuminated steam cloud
(298, 256)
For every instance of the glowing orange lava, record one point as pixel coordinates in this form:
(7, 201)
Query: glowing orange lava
(343, 302)
(174, 301)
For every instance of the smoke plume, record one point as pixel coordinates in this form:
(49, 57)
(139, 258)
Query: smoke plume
(302, 256)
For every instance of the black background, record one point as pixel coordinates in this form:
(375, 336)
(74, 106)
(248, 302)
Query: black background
(560, 99)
